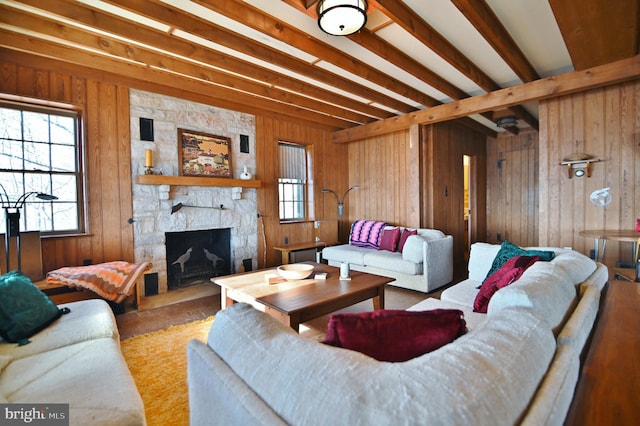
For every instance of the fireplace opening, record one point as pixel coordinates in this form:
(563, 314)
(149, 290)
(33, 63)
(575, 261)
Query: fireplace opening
(194, 257)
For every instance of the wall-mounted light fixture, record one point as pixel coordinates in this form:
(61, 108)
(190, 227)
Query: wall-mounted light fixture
(578, 164)
(342, 17)
(340, 201)
(12, 218)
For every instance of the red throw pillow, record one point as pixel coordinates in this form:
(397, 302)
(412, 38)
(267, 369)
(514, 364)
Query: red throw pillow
(395, 335)
(406, 233)
(511, 271)
(389, 240)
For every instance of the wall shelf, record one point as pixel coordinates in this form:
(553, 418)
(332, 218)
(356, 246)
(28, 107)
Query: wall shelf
(196, 181)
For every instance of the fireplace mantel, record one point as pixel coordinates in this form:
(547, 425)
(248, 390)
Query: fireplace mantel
(196, 181)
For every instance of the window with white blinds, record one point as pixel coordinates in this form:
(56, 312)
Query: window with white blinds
(292, 181)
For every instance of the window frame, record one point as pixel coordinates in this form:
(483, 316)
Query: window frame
(58, 110)
(306, 193)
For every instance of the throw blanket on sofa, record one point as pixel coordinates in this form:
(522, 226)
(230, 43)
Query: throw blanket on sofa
(111, 280)
(366, 233)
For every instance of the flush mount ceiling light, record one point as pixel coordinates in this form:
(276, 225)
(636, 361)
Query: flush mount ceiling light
(342, 17)
(508, 121)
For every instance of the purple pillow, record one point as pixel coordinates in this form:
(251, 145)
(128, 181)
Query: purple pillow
(406, 233)
(389, 240)
(366, 233)
(510, 272)
(395, 335)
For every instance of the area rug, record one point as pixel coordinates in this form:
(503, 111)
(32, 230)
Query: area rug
(158, 363)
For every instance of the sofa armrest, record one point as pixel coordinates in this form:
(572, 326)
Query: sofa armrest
(438, 260)
(216, 392)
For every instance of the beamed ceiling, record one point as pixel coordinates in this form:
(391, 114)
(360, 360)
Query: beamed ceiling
(270, 57)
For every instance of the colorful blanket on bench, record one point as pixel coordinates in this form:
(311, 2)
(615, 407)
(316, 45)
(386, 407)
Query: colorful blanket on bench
(111, 280)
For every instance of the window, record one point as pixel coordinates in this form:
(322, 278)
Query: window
(292, 182)
(40, 152)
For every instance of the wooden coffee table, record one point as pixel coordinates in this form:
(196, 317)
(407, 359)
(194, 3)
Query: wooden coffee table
(295, 302)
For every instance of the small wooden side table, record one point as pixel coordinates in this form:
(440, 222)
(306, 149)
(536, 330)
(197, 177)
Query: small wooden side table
(607, 390)
(291, 248)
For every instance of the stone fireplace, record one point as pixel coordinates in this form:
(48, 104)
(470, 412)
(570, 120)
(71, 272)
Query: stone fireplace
(232, 209)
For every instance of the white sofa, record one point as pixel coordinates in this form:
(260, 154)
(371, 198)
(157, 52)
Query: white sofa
(77, 361)
(510, 368)
(425, 264)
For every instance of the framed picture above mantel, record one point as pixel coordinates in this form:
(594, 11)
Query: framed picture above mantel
(202, 154)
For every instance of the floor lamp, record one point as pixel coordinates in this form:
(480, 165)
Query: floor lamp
(340, 201)
(12, 219)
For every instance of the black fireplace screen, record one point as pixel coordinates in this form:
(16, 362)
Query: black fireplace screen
(193, 257)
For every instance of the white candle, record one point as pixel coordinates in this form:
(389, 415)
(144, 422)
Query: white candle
(148, 158)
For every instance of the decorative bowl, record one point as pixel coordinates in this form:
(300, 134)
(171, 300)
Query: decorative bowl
(295, 271)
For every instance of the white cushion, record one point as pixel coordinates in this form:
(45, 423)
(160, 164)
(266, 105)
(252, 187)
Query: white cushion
(413, 250)
(346, 253)
(544, 287)
(389, 261)
(88, 319)
(474, 320)
(463, 293)
(430, 234)
(91, 376)
(480, 260)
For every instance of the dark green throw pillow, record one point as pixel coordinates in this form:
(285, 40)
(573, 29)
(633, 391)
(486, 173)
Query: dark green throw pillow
(24, 308)
(509, 250)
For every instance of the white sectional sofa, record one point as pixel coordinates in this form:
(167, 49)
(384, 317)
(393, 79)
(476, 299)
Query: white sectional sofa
(425, 263)
(517, 364)
(76, 360)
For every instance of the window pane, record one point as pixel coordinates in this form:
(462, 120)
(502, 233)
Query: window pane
(10, 155)
(37, 216)
(36, 156)
(63, 130)
(10, 124)
(63, 158)
(66, 216)
(36, 126)
(64, 187)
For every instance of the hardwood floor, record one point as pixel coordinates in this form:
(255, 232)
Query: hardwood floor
(133, 323)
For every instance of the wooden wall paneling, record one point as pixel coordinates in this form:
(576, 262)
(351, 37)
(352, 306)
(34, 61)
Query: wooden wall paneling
(124, 174)
(512, 188)
(611, 130)
(8, 77)
(387, 170)
(93, 159)
(444, 146)
(330, 171)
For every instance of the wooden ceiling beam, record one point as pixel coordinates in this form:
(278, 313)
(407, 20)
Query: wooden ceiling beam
(427, 35)
(232, 98)
(176, 18)
(117, 48)
(148, 36)
(560, 85)
(487, 23)
(597, 32)
(244, 13)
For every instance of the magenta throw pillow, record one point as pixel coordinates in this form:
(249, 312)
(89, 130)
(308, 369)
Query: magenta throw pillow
(366, 233)
(406, 233)
(508, 273)
(389, 240)
(395, 335)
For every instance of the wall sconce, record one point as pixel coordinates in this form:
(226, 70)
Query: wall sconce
(12, 218)
(340, 201)
(578, 164)
(342, 17)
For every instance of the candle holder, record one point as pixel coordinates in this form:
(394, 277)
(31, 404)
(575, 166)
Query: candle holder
(148, 170)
